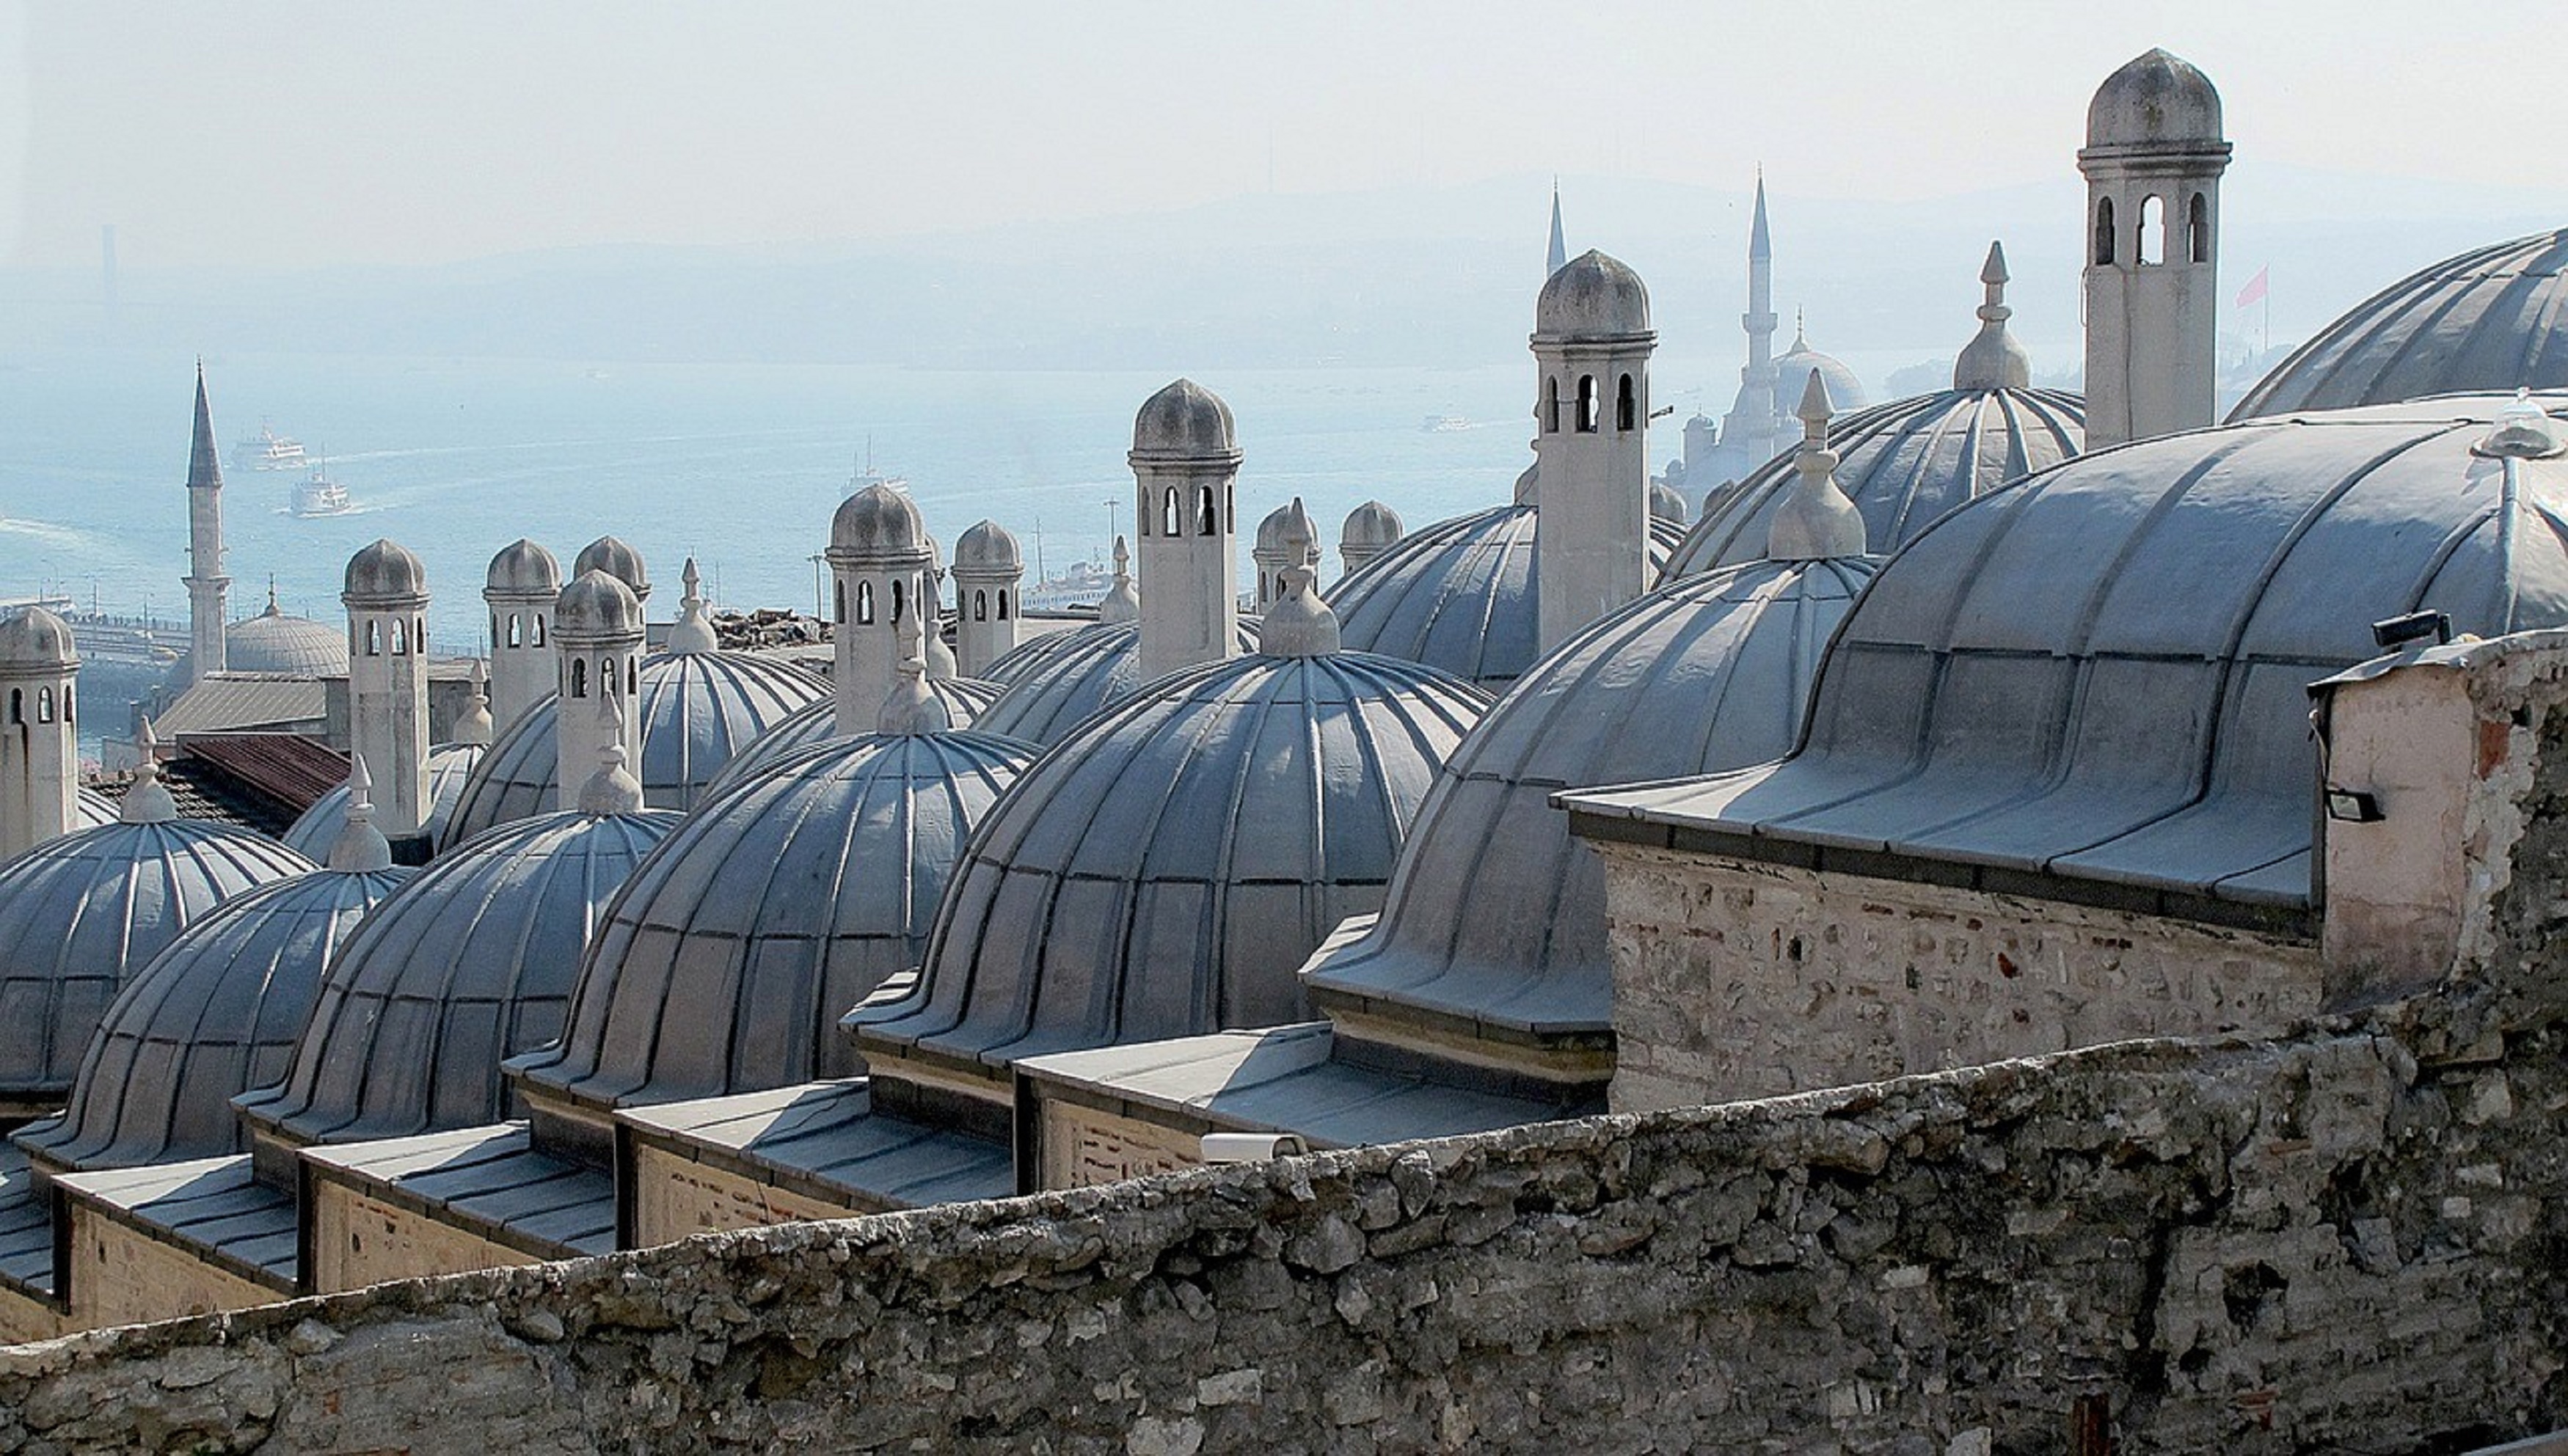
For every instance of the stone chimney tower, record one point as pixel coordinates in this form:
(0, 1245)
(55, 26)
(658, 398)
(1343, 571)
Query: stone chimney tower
(385, 594)
(208, 590)
(2153, 160)
(39, 730)
(1592, 339)
(878, 554)
(523, 580)
(988, 570)
(1185, 460)
(597, 628)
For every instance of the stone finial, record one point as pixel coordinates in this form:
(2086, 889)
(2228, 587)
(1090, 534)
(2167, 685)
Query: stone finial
(1994, 359)
(149, 800)
(692, 633)
(1816, 521)
(912, 707)
(1120, 603)
(941, 661)
(2523, 431)
(472, 727)
(612, 790)
(1299, 624)
(361, 847)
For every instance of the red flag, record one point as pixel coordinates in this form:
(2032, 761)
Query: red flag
(2254, 290)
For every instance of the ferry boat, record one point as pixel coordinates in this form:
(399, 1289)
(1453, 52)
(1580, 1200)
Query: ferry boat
(1079, 586)
(321, 495)
(268, 451)
(1443, 424)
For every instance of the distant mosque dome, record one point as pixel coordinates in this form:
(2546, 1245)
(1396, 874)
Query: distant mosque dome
(964, 699)
(1592, 295)
(1063, 679)
(449, 767)
(2491, 318)
(1459, 595)
(1793, 368)
(296, 647)
(2155, 98)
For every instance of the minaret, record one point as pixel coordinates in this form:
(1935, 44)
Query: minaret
(2152, 159)
(1185, 461)
(1753, 425)
(878, 554)
(208, 590)
(1592, 339)
(1993, 360)
(1121, 602)
(520, 586)
(39, 732)
(1816, 521)
(597, 621)
(385, 594)
(988, 569)
(1559, 245)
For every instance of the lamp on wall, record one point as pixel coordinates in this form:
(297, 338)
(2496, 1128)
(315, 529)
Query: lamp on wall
(2393, 632)
(2352, 806)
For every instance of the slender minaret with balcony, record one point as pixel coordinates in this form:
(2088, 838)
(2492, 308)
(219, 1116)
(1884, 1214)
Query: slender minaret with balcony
(208, 590)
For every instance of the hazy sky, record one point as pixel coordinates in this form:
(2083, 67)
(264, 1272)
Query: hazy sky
(236, 133)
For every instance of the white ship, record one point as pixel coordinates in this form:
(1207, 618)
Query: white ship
(268, 451)
(1443, 424)
(321, 495)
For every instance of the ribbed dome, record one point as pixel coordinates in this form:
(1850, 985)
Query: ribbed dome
(1284, 523)
(523, 568)
(295, 647)
(879, 521)
(1460, 595)
(1793, 368)
(2100, 672)
(726, 965)
(617, 560)
(211, 1017)
(965, 699)
(385, 572)
(2155, 97)
(1063, 679)
(1903, 463)
(1592, 296)
(2492, 319)
(988, 549)
(1496, 915)
(1184, 421)
(80, 914)
(465, 965)
(597, 604)
(92, 809)
(1167, 869)
(449, 767)
(35, 640)
(1371, 524)
(696, 708)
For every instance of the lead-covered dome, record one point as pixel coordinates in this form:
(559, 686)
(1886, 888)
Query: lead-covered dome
(1794, 366)
(616, 559)
(1168, 867)
(449, 767)
(698, 709)
(2491, 318)
(384, 572)
(1184, 421)
(287, 645)
(36, 640)
(597, 604)
(1592, 296)
(465, 965)
(988, 549)
(213, 1015)
(1496, 917)
(879, 521)
(1460, 595)
(2095, 678)
(2155, 97)
(964, 699)
(1063, 679)
(727, 963)
(522, 568)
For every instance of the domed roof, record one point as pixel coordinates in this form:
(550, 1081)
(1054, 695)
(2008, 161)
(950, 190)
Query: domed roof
(617, 560)
(697, 710)
(2155, 97)
(597, 604)
(965, 699)
(384, 572)
(1592, 296)
(296, 647)
(1168, 867)
(1793, 368)
(2097, 675)
(2492, 319)
(988, 549)
(80, 913)
(1371, 524)
(36, 640)
(880, 521)
(215, 1015)
(449, 767)
(465, 965)
(523, 567)
(1494, 913)
(1667, 503)
(1903, 463)
(727, 963)
(1063, 679)
(92, 809)
(1460, 595)
(1284, 524)
(1184, 421)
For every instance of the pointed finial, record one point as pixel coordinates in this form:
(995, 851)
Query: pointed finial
(1299, 624)
(1761, 246)
(1800, 332)
(473, 727)
(2523, 432)
(1120, 603)
(1558, 256)
(930, 615)
(1816, 521)
(692, 633)
(204, 463)
(612, 790)
(149, 800)
(1993, 360)
(913, 708)
(361, 847)
(272, 594)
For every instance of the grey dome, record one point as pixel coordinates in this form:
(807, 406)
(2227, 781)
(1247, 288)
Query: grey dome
(449, 767)
(596, 605)
(461, 968)
(964, 699)
(697, 710)
(92, 809)
(295, 647)
(523, 568)
(1903, 465)
(617, 560)
(1592, 296)
(2492, 319)
(725, 964)
(1496, 915)
(82, 912)
(988, 549)
(2155, 97)
(36, 640)
(385, 572)
(1184, 421)
(211, 1017)
(2098, 674)
(1069, 677)
(1285, 523)
(1167, 870)
(1371, 524)
(879, 521)
(1793, 368)
(1460, 595)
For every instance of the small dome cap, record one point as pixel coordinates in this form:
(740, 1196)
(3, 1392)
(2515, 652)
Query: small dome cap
(879, 521)
(385, 572)
(597, 604)
(524, 566)
(616, 559)
(1372, 524)
(2155, 98)
(36, 640)
(988, 548)
(1592, 297)
(1184, 422)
